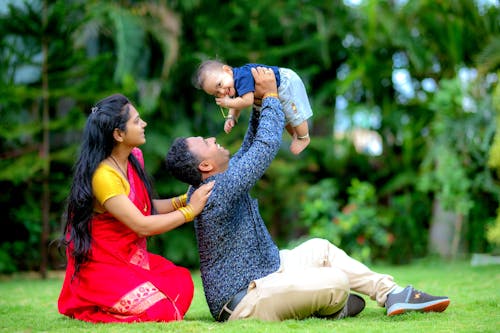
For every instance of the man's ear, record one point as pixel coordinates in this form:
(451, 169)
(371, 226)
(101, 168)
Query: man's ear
(205, 166)
(117, 135)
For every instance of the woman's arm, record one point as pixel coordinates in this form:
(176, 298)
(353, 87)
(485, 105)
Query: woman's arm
(163, 206)
(126, 212)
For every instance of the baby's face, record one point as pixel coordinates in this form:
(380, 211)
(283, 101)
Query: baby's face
(219, 83)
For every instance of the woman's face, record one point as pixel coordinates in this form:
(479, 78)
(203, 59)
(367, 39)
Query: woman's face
(134, 134)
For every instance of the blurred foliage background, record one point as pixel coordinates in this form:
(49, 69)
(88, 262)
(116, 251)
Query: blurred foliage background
(403, 161)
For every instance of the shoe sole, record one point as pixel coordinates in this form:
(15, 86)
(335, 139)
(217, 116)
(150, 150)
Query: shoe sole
(436, 306)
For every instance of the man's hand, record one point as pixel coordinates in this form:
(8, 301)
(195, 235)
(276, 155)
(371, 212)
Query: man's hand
(265, 81)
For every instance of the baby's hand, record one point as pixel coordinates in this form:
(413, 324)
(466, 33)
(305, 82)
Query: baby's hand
(228, 125)
(223, 101)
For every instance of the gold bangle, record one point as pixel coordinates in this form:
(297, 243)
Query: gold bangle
(179, 201)
(183, 198)
(188, 213)
(176, 203)
(270, 95)
(173, 201)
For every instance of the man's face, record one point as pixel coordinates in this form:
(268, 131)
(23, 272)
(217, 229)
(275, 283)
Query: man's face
(209, 151)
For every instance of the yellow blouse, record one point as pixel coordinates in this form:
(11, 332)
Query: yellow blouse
(107, 183)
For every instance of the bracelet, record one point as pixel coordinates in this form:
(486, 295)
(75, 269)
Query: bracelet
(179, 201)
(188, 213)
(270, 95)
(176, 203)
(230, 116)
(183, 198)
(303, 137)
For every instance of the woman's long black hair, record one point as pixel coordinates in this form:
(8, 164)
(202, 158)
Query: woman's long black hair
(108, 114)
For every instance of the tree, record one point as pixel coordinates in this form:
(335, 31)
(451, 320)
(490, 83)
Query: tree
(351, 58)
(44, 112)
(45, 85)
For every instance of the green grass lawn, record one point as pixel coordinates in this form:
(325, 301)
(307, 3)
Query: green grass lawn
(28, 304)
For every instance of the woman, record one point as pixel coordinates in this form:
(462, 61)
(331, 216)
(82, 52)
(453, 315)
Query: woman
(110, 276)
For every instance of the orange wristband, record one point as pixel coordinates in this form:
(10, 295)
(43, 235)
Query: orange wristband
(270, 95)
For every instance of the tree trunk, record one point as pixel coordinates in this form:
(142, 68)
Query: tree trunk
(445, 232)
(44, 153)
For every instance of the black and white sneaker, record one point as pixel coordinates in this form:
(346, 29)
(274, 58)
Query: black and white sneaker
(410, 299)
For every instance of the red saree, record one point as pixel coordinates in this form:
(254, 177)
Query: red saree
(123, 282)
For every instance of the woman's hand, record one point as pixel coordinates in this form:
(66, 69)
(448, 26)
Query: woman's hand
(200, 196)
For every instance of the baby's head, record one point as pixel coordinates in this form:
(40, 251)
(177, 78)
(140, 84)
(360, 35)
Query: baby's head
(215, 78)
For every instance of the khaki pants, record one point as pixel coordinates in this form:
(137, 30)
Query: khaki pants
(314, 279)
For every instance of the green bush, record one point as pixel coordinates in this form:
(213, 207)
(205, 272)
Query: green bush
(361, 227)
(7, 261)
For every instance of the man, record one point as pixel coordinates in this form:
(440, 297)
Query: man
(244, 274)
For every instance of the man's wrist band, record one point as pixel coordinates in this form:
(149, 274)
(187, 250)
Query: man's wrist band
(270, 95)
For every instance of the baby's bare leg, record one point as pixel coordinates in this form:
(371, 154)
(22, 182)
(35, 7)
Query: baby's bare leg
(290, 130)
(301, 138)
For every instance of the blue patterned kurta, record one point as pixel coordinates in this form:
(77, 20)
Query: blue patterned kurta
(234, 244)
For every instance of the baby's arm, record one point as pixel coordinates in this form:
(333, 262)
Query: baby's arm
(231, 120)
(234, 113)
(240, 102)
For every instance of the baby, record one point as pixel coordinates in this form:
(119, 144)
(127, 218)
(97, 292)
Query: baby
(233, 88)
